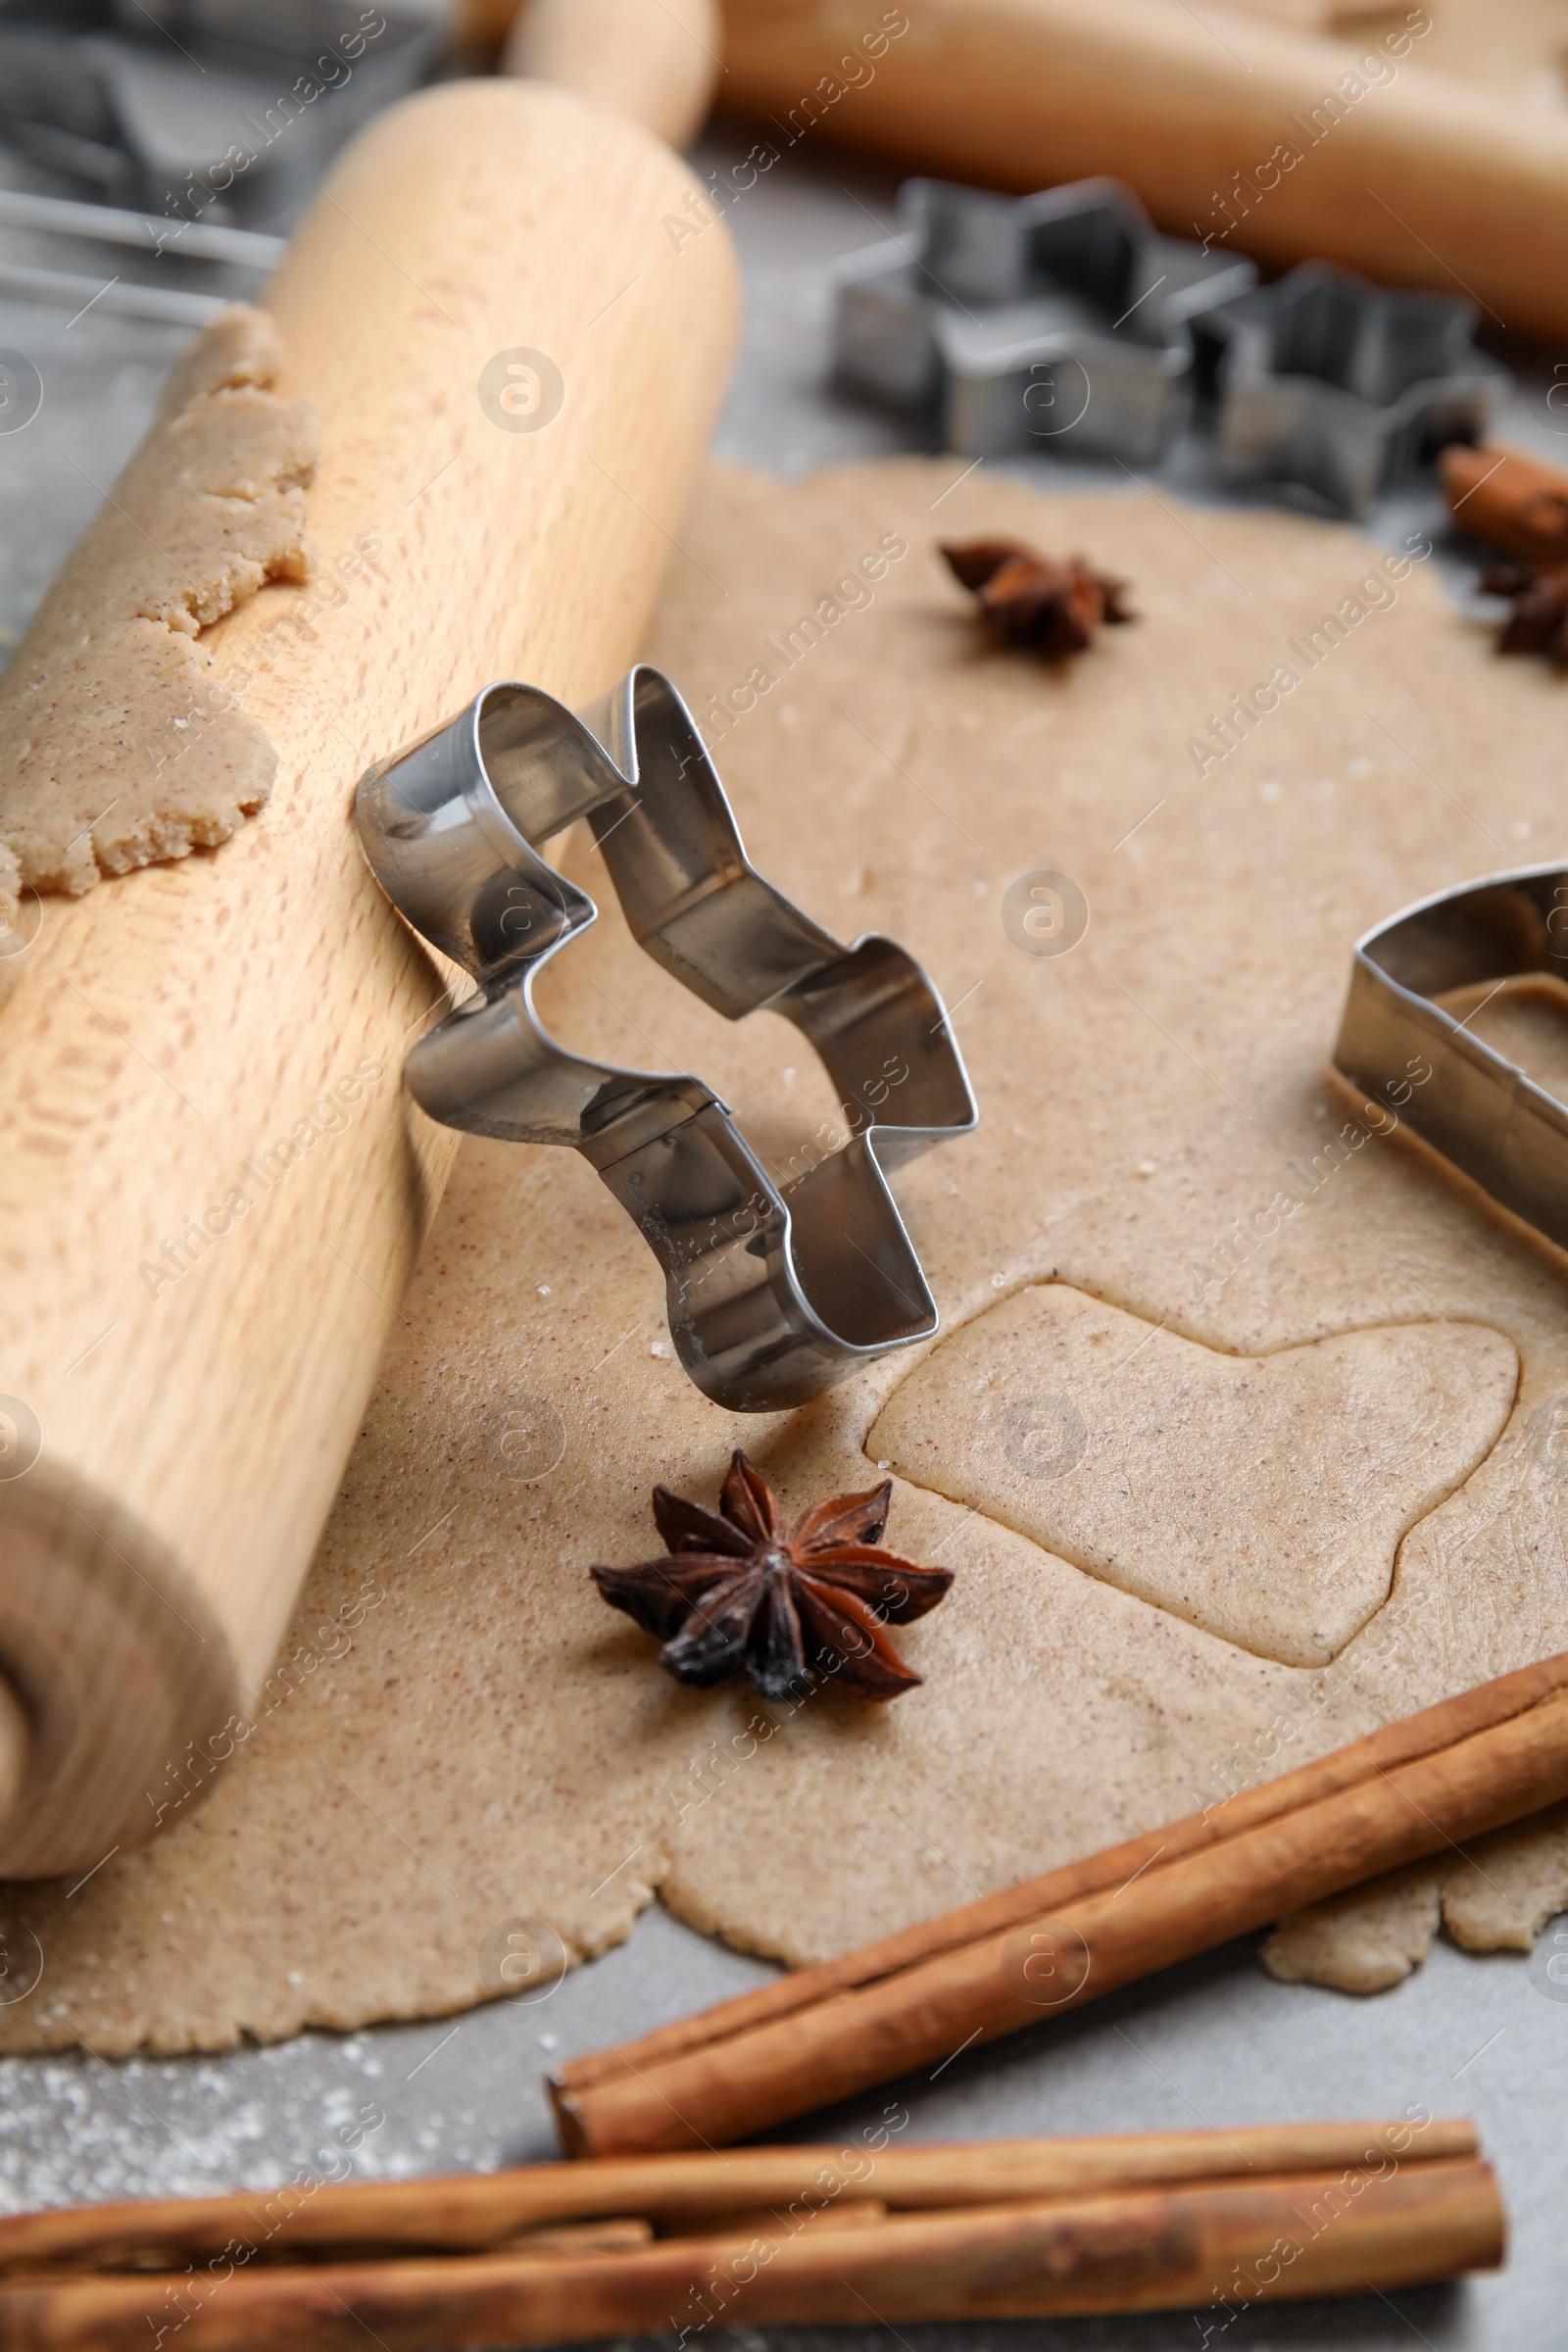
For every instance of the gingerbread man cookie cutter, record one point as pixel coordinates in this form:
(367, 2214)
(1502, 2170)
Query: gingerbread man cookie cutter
(1400, 1042)
(774, 1292)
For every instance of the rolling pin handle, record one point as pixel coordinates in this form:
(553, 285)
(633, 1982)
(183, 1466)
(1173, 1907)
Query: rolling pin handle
(657, 62)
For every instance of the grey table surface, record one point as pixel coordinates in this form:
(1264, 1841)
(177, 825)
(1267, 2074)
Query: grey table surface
(1216, 2041)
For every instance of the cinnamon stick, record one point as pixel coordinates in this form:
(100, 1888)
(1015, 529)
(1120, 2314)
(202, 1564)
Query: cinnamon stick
(1133, 2249)
(1511, 501)
(472, 2212)
(1453, 1771)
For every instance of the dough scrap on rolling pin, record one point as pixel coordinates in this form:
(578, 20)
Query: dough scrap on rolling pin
(459, 1735)
(117, 748)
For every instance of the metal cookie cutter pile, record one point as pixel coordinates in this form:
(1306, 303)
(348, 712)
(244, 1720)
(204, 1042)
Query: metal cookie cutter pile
(1063, 321)
(772, 1294)
(1417, 983)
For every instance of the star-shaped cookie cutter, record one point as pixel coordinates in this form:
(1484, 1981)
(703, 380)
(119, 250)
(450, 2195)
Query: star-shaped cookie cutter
(1033, 321)
(774, 1293)
(1325, 380)
(1417, 982)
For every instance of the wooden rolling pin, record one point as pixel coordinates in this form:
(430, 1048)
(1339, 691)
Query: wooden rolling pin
(1421, 180)
(655, 60)
(169, 1027)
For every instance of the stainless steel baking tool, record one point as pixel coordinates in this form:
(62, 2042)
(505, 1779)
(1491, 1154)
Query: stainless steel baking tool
(1060, 320)
(103, 224)
(775, 1290)
(1325, 380)
(1401, 1043)
(198, 105)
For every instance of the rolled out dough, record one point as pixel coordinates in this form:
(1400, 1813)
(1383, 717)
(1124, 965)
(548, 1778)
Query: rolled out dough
(1200, 1480)
(1495, 1898)
(461, 1735)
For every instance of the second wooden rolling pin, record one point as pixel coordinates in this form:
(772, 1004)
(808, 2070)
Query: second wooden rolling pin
(655, 60)
(178, 1026)
(1274, 142)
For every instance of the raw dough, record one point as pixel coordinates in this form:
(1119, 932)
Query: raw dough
(1497, 1898)
(116, 747)
(1502, 1895)
(487, 1742)
(1261, 1496)
(1364, 1941)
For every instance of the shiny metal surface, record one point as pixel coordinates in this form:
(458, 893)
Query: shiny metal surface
(170, 306)
(220, 111)
(1325, 380)
(197, 241)
(1478, 1109)
(773, 1293)
(132, 298)
(1034, 322)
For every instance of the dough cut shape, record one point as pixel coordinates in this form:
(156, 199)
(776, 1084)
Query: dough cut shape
(1262, 1497)
(117, 747)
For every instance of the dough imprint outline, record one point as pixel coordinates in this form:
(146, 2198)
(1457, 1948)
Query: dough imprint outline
(1263, 1498)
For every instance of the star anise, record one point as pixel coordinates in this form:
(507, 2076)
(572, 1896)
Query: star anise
(1538, 621)
(794, 1605)
(1047, 607)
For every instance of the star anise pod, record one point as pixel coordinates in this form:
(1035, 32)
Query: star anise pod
(794, 1605)
(1538, 621)
(1047, 607)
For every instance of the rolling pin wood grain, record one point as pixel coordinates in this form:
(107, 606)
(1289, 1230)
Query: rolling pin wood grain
(1413, 176)
(655, 60)
(171, 1028)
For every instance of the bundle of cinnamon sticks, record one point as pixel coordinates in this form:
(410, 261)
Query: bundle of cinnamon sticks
(556, 2253)
(1416, 1788)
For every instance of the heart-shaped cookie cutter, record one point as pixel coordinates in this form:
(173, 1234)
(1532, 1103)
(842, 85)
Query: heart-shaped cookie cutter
(1478, 1109)
(773, 1293)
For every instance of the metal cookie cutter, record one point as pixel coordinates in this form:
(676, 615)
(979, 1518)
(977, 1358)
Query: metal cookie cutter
(1029, 321)
(774, 1293)
(1327, 381)
(1418, 981)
